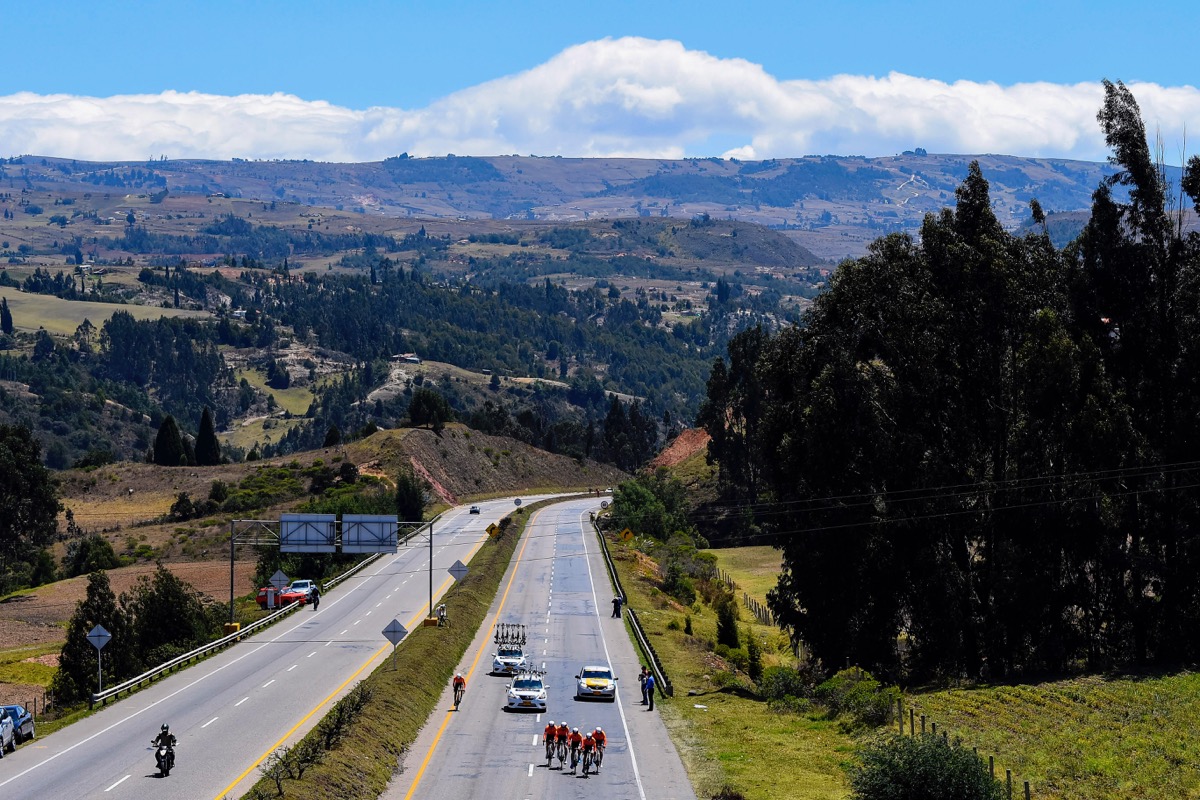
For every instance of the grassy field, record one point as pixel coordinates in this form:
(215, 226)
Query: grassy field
(727, 737)
(62, 317)
(1086, 738)
(295, 399)
(754, 569)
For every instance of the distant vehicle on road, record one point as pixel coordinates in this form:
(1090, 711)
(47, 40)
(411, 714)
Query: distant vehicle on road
(510, 657)
(596, 682)
(22, 720)
(474, 510)
(295, 592)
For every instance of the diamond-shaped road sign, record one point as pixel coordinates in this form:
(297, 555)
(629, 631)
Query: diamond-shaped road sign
(278, 580)
(458, 569)
(99, 637)
(395, 632)
(493, 529)
(626, 535)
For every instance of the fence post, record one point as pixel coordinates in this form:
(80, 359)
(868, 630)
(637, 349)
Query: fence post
(912, 728)
(922, 723)
(1026, 790)
(992, 767)
(1008, 782)
(935, 729)
(900, 714)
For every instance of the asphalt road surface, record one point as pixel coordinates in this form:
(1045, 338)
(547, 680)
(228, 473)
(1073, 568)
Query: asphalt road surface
(232, 710)
(559, 589)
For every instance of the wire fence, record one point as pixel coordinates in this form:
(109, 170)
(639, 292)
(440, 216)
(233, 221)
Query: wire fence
(927, 725)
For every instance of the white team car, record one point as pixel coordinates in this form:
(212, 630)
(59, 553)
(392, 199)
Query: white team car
(596, 682)
(509, 659)
(527, 692)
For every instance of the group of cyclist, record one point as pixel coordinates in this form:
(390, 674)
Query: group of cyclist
(562, 738)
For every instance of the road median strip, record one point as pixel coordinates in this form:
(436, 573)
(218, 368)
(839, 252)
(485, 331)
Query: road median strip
(400, 694)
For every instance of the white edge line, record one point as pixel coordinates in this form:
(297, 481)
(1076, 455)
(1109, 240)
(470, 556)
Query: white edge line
(604, 641)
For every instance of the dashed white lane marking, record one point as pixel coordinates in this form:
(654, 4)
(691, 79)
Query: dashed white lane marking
(343, 633)
(535, 740)
(292, 667)
(377, 605)
(531, 770)
(268, 683)
(210, 722)
(329, 643)
(118, 783)
(239, 702)
(310, 655)
(357, 621)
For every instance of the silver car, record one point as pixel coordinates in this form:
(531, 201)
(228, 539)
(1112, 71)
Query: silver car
(8, 736)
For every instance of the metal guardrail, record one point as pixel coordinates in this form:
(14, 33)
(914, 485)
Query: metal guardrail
(224, 641)
(660, 673)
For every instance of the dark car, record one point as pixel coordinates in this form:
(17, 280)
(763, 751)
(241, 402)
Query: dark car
(22, 720)
(474, 510)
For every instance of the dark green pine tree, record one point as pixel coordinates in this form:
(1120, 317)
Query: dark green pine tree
(208, 449)
(168, 444)
(6, 322)
(76, 677)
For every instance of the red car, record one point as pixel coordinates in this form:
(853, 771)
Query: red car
(294, 592)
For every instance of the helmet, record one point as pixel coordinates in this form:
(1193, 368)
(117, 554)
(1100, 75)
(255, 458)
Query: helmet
(165, 728)
(458, 674)
(551, 722)
(574, 730)
(599, 729)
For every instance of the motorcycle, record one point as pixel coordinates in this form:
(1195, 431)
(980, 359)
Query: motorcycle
(164, 757)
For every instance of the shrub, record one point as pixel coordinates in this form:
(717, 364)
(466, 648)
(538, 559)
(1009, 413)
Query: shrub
(727, 630)
(754, 665)
(674, 625)
(856, 693)
(777, 683)
(902, 767)
(677, 584)
(687, 624)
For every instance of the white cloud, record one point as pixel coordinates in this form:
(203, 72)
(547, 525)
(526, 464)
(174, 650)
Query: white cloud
(613, 97)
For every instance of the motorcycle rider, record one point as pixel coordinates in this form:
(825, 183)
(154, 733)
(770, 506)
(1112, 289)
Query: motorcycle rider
(601, 742)
(576, 742)
(166, 739)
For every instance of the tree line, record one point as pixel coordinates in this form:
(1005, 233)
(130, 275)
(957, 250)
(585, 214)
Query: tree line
(976, 453)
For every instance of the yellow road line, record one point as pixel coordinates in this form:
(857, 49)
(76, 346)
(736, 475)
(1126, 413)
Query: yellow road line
(411, 625)
(292, 730)
(442, 728)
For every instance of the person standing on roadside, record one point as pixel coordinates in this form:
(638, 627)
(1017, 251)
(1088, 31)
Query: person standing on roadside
(650, 689)
(617, 607)
(642, 682)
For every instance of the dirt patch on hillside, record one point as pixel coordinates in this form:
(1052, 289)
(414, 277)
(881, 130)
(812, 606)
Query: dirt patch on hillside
(39, 616)
(686, 445)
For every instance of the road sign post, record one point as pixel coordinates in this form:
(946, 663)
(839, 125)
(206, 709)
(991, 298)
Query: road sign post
(99, 637)
(395, 632)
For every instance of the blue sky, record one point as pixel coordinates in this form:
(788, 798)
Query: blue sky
(433, 68)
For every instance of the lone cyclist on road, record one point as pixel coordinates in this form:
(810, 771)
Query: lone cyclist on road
(460, 687)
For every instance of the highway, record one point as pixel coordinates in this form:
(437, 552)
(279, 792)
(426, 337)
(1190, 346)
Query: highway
(558, 588)
(232, 710)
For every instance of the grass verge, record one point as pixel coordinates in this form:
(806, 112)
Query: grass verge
(399, 701)
(724, 734)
